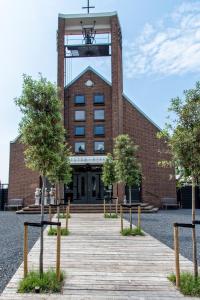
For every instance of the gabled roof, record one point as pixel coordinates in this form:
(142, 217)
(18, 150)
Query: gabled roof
(89, 68)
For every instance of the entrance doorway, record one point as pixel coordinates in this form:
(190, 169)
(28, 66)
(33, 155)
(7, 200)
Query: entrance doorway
(87, 185)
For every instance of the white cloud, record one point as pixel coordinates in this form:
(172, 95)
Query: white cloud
(169, 47)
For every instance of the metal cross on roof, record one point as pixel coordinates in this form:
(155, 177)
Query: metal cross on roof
(88, 7)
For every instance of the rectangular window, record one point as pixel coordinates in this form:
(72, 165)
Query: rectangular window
(99, 147)
(98, 99)
(80, 130)
(99, 130)
(79, 100)
(79, 115)
(80, 147)
(99, 114)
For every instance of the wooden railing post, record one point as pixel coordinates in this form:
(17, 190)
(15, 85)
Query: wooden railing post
(58, 253)
(121, 215)
(176, 249)
(139, 216)
(116, 206)
(130, 216)
(25, 250)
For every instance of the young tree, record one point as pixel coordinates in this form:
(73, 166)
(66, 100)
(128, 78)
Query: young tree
(108, 175)
(182, 135)
(127, 167)
(41, 131)
(62, 173)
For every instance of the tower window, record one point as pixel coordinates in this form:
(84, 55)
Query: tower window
(79, 100)
(99, 114)
(80, 130)
(79, 115)
(80, 147)
(98, 99)
(99, 147)
(99, 130)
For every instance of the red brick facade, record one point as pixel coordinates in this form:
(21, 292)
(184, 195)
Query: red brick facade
(121, 116)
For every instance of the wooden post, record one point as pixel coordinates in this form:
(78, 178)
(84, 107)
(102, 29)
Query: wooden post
(67, 216)
(50, 215)
(58, 253)
(25, 250)
(139, 216)
(117, 206)
(176, 249)
(104, 207)
(121, 214)
(130, 213)
(69, 203)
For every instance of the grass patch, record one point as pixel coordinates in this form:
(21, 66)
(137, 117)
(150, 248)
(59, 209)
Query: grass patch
(53, 231)
(47, 284)
(110, 216)
(188, 284)
(63, 216)
(135, 231)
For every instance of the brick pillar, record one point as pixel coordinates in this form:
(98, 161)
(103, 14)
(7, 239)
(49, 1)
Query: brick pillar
(61, 58)
(117, 89)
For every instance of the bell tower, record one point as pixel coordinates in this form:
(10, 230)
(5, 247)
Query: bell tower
(90, 28)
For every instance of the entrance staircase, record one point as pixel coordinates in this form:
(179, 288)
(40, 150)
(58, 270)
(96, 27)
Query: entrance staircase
(88, 208)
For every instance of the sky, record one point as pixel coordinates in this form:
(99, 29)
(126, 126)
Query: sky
(161, 53)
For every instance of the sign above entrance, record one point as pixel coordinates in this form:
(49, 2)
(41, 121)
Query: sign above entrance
(83, 160)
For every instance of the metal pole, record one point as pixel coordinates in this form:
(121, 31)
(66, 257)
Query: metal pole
(130, 215)
(67, 216)
(121, 214)
(104, 207)
(25, 250)
(176, 249)
(117, 206)
(58, 253)
(50, 216)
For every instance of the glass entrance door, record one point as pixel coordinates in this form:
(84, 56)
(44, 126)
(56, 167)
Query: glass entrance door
(87, 187)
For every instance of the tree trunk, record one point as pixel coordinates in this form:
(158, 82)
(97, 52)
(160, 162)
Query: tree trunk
(130, 195)
(41, 230)
(194, 241)
(58, 207)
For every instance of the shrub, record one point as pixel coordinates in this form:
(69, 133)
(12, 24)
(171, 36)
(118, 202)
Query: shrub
(63, 216)
(189, 285)
(53, 231)
(110, 216)
(134, 231)
(48, 283)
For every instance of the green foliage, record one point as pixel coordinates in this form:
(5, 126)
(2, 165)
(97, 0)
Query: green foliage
(108, 175)
(110, 216)
(182, 135)
(134, 231)
(53, 231)
(127, 167)
(189, 285)
(48, 283)
(41, 128)
(63, 216)
(62, 171)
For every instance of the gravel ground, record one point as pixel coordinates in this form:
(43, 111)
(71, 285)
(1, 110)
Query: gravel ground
(11, 243)
(160, 226)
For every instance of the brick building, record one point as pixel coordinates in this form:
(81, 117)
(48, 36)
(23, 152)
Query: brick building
(95, 112)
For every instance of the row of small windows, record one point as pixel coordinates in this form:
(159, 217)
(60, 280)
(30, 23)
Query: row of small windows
(98, 99)
(99, 130)
(99, 115)
(80, 147)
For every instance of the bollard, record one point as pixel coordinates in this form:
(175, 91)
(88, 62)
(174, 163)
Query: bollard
(121, 214)
(25, 250)
(176, 249)
(139, 217)
(58, 253)
(130, 216)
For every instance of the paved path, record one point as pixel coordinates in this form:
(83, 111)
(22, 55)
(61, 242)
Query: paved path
(101, 264)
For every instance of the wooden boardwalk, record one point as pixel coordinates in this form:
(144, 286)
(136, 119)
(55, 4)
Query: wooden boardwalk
(101, 264)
